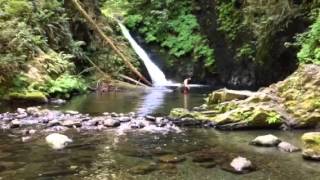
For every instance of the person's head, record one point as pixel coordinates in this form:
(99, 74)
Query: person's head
(189, 78)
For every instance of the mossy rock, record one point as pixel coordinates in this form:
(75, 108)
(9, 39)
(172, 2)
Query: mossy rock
(33, 97)
(311, 145)
(308, 120)
(249, 118)
(179, 113)
(225, 95)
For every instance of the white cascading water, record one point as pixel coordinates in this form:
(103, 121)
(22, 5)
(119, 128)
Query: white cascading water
(157, 76)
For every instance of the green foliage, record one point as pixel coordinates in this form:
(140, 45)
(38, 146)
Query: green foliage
(246, 51)
(65, 85)
(310, 44)
(172, 25)
(16, 7)
(229, 18)
(134, 20)
(273, 118)
(58, 63)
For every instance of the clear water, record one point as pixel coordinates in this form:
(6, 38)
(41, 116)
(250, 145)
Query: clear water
(154, 101)
(106, 155)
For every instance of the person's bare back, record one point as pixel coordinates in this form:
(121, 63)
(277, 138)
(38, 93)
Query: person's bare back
(186, 87)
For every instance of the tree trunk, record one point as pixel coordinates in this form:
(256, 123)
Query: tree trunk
(97, 29)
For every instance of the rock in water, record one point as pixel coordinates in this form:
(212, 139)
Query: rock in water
(311, 145)
(58, 101)
(266, 140)
(58, 141)
(287, 147)
(111, 123)
(171, 158)
(143, 169)
(241, 164)
(15, 123)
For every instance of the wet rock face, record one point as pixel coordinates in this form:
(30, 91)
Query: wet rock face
(311, 145)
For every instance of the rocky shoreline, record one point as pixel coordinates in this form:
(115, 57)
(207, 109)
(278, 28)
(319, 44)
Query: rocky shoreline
(45, 120)
(290, 104)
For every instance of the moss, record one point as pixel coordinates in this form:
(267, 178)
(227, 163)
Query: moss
(311, 142)
(312, 138)
(36, 97)
(178, 113)
(223, 95)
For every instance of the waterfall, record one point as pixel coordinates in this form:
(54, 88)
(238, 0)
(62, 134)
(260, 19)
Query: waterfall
(157, 76)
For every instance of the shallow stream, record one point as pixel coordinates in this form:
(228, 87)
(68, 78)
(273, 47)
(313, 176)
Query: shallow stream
(137, 155)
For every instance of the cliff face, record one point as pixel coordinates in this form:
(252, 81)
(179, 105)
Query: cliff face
(250, 38)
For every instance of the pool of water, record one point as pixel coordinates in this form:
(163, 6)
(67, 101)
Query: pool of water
(155, 101)
(136, 155)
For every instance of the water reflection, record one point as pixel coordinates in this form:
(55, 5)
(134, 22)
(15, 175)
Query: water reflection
(185, 101)
(152, 100)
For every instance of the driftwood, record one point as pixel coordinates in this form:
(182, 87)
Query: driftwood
(105, 38)
(132, 80)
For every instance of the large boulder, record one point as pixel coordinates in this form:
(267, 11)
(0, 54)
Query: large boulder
(224, 95)
(311, 145)
(58, 141)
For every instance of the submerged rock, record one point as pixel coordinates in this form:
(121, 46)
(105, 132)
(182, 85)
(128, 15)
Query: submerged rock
(311, 145)
(143, 169)
(287, 147)
(58, 141)
(207, 164)
(266, 140)
(171, 158)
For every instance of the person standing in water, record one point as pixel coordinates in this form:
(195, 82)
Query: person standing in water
(186, 87)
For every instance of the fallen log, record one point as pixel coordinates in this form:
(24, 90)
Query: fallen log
(132, 80)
